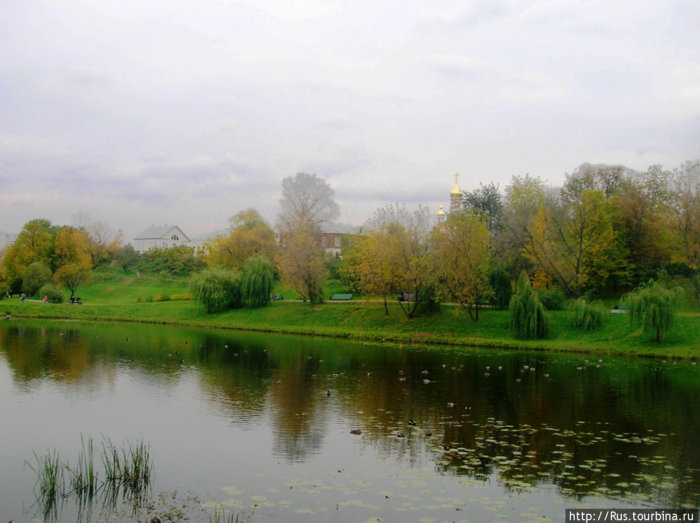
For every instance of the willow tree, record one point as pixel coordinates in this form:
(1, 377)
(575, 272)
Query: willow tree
(528, 317)
(257, 280)
(653, 306)
(217, 289)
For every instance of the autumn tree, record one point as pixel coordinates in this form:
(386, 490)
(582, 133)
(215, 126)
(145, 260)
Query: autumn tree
(306, 206)
(248, 235)
(33, 244)
(462, 246)
(372, 265)
(403, 249)
(573, 241)
(71, 259)
(302, 265)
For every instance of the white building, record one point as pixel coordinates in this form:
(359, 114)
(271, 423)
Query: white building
(164, 237)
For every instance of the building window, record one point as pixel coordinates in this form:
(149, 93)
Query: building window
(174, 237)
(337, 241)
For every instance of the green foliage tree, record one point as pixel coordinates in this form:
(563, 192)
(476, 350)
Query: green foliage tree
(71, 276)
(501, 288)
(653, 306)
(257, 280)
(34, 277)
(173, 261)
(686, 220)
(217, 289)
(528, 317)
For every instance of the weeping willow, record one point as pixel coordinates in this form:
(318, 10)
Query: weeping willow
(257, 280)
(528, 317)
(653, 306)
(217, 289)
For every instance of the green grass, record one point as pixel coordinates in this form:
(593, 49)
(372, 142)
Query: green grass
(114, 297)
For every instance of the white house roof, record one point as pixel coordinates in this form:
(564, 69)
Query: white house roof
(161, 231)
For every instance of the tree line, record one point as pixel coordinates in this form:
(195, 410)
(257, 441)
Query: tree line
(608, 229)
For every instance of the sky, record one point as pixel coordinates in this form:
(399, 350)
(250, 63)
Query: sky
(143, 112)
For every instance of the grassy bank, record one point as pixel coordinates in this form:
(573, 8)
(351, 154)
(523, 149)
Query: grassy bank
(118, 301)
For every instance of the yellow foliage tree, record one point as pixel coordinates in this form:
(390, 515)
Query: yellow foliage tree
(248, 235)
(463, 247)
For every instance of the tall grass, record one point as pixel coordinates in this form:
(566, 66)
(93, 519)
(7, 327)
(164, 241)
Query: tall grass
(126, 470)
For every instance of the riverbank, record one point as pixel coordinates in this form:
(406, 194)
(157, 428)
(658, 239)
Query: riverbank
(367, 321)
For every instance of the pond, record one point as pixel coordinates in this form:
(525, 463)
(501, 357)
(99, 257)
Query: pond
(269, 427)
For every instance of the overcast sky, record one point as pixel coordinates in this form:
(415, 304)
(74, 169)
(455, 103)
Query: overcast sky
(141, 112)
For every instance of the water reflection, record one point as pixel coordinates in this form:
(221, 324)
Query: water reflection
(615, 428)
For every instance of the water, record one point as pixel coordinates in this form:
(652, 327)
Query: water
(262, 425)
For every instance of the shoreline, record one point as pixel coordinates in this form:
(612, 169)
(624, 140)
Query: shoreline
(301, 320)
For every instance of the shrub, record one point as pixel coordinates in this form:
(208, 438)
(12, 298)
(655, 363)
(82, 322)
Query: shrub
(217, 289)
(499, 281)
(653, 306)
(586, 316)
(181, 297)
(257, 280)
(52, 292)
(162, 297)
(553, 300)
(528, 318)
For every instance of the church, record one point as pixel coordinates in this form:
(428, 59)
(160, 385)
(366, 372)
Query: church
(456, 201)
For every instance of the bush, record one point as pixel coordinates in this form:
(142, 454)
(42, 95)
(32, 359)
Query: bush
(181, 297)
(499, 281)
(52, 292)
(553, 300)
(162, 297)
(528, 317)
(586, 316)
(217, 289)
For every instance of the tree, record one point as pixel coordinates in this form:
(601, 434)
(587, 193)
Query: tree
(34, 243)
(486, 202)
(462, 246)
(248, 235)
(71, 258)
(306, 203)
(302, 265)
(573, 241)
(501, 288)
(217, 289)
(524, 197)
(257, 280)
(406, 256)
(686, 216)
(652, 305)
(71, 276)
(528, 318)
(373, 266)
(644, 215)
(34, 277)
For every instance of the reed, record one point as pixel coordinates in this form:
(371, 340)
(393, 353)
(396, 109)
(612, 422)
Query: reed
(83, 476)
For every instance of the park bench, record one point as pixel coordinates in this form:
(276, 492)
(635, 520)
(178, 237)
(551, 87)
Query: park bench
(341, 297)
